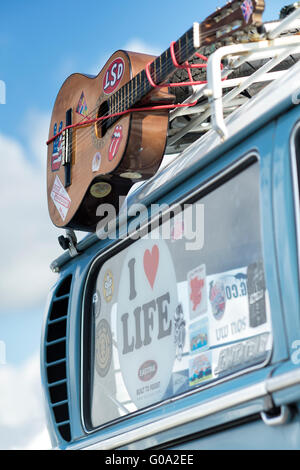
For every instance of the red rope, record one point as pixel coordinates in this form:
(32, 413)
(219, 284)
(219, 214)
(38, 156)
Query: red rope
(186, 66)
(148, 108)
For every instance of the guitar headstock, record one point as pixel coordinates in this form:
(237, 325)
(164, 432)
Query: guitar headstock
(233, 22)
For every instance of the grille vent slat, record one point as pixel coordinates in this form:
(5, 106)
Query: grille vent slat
(56, 358)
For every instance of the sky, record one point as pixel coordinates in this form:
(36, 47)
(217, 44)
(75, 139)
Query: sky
(41, 44)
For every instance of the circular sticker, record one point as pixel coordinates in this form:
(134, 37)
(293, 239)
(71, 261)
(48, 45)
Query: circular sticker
(108, 285)
(217, 298)
(131, 175)
(100, 190)
(103, 347)
(113, 75)
(147, 301)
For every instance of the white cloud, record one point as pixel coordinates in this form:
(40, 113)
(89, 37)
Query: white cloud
(133, 45)
(137, 45)
(22, 419)
(28, 238)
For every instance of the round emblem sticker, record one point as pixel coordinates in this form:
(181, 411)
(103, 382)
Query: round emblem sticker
(100, 190)
(113, 75)
(146, 306)
(108, 285)
(217, 298)
(103, 348)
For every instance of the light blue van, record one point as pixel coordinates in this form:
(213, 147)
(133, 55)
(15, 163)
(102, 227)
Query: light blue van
(191, 340)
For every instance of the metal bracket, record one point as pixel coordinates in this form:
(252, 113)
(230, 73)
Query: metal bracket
(69, 242)
(214, 107)
(283, 416)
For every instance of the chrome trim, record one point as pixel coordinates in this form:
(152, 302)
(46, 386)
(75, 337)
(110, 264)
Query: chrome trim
(296, 187)
(259, 390)
(231, 167)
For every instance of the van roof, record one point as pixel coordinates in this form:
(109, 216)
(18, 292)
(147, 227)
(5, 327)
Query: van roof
(275, 99)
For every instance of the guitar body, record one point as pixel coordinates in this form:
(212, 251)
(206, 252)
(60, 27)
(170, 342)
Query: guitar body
(131, 148)
(93, 161)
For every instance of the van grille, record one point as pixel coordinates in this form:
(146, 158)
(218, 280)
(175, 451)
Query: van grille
(56, 358)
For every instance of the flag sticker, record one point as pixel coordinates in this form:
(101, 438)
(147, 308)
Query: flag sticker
(247, 9)
(82, 106)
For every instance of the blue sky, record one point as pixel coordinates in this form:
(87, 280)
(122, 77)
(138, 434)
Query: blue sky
(41, 43)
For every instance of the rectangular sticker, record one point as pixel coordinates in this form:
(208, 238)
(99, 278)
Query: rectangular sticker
(198, 337)
(200, 369)
(60, 198)
(197, 291)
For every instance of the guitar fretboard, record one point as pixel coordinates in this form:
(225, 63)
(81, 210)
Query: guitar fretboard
(160, 69)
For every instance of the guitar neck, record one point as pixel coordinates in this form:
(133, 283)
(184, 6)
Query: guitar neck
(230, 23)
(163, 66)
(160, 69)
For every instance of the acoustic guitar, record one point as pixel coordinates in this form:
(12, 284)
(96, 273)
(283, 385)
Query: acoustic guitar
(98, 148)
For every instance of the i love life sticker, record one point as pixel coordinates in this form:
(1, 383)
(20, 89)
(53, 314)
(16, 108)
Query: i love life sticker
(147, 301)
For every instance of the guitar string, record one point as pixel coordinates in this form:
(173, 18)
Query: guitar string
(140, 87)
(201, 36)
(122, 103)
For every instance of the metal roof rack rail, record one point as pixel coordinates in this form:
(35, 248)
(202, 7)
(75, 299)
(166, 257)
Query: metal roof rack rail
(213, 107)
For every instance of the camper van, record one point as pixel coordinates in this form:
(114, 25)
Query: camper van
(176, 325)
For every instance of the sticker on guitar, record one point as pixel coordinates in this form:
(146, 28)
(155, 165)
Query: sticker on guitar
(113, 75)
(82, 106)
(115, 142)
(56, 158)
(60, 198)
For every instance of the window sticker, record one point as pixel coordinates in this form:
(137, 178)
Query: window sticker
(178, 320)
(199, 336)
(197, 291)
(147, 302)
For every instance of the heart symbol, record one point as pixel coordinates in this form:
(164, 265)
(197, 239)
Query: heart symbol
(151, 260)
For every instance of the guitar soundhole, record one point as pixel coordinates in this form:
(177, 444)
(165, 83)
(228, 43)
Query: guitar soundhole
(102, 126)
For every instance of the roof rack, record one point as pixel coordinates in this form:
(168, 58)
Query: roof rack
(189, 123)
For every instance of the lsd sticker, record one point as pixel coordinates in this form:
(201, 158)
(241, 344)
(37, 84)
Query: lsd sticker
(113, 75)
(115, 142)
(82, 106)
(197, 291)
(60, 198)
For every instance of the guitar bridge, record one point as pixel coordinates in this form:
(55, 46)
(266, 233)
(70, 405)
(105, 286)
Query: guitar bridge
(67, 148)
